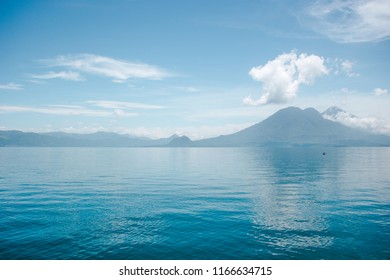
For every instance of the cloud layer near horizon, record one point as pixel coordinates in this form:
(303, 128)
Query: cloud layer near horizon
(370, 124)
(282, 76)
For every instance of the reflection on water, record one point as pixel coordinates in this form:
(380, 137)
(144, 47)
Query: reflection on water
(315, 202)
(287, 200)
(194, 203)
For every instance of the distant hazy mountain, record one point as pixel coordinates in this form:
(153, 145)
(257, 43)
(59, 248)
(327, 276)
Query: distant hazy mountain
(60, 139)
(182, 141)
(25, 139)
(295, 127)
(287, 127)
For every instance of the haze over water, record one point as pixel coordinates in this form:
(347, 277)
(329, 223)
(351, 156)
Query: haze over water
(194, 203)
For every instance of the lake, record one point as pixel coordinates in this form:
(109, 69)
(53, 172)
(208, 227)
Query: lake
(194, 203)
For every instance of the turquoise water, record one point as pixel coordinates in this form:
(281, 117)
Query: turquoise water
(194, 203)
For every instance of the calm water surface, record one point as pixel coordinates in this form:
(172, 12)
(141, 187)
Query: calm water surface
(194, 203)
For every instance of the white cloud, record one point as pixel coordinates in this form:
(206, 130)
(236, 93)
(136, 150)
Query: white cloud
(380, 91)
(282, 76)
(83, 129)
(118, 70)
(62, 110)
(122, 113)
(349, 21)
(189, 89)
(347, 67)
(122, 105)
(338, 66)
(225, 113)
(370, 124)
(11, 86)
(66, 75)
(113, 109)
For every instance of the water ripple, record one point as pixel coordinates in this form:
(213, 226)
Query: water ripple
(194, 203)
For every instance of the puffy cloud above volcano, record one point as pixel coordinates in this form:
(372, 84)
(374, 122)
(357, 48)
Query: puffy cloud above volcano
(282, 76)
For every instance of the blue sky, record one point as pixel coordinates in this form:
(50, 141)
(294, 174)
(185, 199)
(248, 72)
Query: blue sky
(200, 68)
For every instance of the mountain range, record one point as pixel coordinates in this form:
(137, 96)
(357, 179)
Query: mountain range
(60, 139)
(288, 127)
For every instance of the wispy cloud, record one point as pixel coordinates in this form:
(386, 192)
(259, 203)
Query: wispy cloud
(11, 86)
(349, 21)
(341, 66)
(63, 110)
(226, 113)
(118, 70)
(122, 105)
(347, 67)
(65, 75)
(380, 91)
(189, 89)
(282, 76)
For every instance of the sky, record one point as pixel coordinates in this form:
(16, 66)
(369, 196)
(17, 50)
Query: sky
(197, 68)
